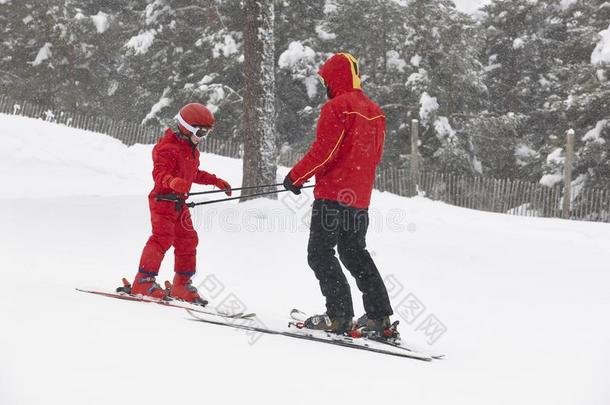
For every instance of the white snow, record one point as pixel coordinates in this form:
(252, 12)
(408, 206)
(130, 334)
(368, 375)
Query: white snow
(112, 87)
(216, 94)
(567, 3)
(101, 22)
(523, 153)
(330, 6)
(311, 85)
(163, 102)
(300, 60)
(44, 53)
(518, 43)
(416, 79)
(155, 10)
(225, 48)
(443, 129)
(295, 54)
(470, 6)
(323, 34)
(595, 134)
(555, 158)
(551, 179)
(26, 20)
(544, 82)
(477, 165)
(141, 42)
(601, 53)
(394, 61)
(415, 60)
(523, 301)
(428, 105)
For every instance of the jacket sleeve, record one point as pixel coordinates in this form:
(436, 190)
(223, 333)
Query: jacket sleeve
(164, 163)
(203, 177)
(329, 135)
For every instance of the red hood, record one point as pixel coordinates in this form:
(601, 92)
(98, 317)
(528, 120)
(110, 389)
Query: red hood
(341, 73)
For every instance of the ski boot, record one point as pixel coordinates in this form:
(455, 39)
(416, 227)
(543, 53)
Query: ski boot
(323, 322)
(182, 289)
(144, 285)
(377, 329)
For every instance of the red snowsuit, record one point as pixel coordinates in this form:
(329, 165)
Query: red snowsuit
(349, 139)
(173, 157)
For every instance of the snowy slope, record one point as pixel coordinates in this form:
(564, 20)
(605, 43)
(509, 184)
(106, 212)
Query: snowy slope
(525, 301)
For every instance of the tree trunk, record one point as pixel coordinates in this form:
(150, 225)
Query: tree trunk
(260, 151)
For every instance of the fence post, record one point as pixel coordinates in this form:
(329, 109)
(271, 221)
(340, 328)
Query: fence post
(567, 174)
(414, 168)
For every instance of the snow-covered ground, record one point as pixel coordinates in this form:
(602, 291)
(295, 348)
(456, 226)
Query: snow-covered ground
(520, 305)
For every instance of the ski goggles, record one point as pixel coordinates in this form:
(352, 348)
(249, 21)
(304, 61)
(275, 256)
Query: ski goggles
(202, 132)
(198, 132)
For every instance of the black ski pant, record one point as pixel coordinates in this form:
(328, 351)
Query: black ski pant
(333, 224)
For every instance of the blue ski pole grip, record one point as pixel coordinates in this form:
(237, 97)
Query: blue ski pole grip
(167, 197)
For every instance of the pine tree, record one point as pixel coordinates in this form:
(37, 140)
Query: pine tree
(582, 99)
(445, 82)
(522, 39)
(300, 44)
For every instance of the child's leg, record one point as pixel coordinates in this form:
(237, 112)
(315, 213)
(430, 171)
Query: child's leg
(163, 217)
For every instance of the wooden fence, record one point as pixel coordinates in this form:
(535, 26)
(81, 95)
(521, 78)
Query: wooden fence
(508, 196)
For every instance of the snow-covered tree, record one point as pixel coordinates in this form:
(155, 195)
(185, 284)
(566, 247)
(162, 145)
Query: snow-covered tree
(444, 81)
(495, 94)
(522, 40)
(582, 79)
(300, 47)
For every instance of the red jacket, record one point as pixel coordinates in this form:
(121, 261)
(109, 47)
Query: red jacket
(176, 157)
(349, 139)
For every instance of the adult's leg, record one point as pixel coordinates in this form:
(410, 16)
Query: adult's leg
(324, 230)
(356, 258)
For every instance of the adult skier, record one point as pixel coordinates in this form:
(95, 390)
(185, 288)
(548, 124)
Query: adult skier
(343, 158)
(175, 169)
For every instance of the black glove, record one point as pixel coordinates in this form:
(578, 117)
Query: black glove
(289, 185)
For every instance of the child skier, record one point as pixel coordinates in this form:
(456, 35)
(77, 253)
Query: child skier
(176, 168)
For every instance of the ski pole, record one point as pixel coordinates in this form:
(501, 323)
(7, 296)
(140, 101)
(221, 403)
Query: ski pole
(193, 204)
(181, 197)
(235, 189)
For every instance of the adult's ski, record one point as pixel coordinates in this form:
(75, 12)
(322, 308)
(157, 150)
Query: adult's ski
(316, 336)
(299, 317)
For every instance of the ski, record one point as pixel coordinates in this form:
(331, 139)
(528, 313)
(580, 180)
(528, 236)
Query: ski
(300, 317)
(170, 303)
(318, 336)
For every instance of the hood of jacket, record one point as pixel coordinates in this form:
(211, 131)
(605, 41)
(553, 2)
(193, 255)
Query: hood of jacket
(341, 74)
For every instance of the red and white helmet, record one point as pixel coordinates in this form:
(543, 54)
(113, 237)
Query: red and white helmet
(194, 116)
